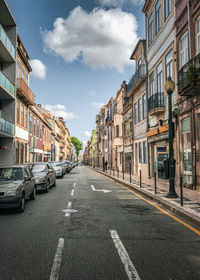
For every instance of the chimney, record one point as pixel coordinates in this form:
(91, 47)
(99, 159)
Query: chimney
(39, 105)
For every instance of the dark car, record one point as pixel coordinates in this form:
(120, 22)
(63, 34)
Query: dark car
(67, 165)
(45, 176)
(17, 184)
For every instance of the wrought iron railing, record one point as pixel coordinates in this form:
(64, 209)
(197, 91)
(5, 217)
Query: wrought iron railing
(156, 101)
(140, 73)
(7, 126)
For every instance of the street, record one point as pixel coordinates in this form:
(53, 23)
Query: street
(114, 234)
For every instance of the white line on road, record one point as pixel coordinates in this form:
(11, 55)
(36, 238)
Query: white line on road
(57, 260)
(72, 193)
(74, 185)
(129, 267)
(69, 205)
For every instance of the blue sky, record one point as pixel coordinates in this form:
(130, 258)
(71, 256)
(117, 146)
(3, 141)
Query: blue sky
(80, 53)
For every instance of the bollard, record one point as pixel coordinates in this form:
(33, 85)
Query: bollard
(181, 189)
(155, 184)
(130, 172)
(140, 178)
(118, 172)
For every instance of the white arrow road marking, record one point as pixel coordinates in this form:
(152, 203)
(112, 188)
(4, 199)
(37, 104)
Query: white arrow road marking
(57, 260)
(72, 193)
(129, 267)
(95, 190)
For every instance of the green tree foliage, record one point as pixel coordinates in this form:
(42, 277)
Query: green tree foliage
(77, 144)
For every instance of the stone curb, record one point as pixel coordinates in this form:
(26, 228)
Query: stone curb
(176, 209)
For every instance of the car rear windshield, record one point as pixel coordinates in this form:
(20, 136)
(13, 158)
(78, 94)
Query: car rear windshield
(39, 168)
(55, 164)
(13, 174)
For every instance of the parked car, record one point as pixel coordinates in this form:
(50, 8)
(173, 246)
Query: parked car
(58, 166)
(45, 176)
(67, 165)
(17, 184)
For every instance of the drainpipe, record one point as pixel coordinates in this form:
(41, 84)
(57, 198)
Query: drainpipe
(189, 29)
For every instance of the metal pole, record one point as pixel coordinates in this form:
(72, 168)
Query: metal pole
(117, 172)
(140, 178)
(155, 183)
(181, 189)
(130, 172)
(123, 166)
(110, 170)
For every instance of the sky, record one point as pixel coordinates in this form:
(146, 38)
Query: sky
(80, 53)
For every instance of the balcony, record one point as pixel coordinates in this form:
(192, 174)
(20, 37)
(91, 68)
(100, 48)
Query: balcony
(7, 127)
(6, 46)
(6, 84)
(24, 91)
(139, 75)
(156, 104)
(189, 78)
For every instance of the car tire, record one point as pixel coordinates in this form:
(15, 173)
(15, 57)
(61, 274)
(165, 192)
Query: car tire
(33, 195)
(48, 186)
(22, 205)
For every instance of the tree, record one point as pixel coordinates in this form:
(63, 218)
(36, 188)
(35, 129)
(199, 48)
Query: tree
(77, 144)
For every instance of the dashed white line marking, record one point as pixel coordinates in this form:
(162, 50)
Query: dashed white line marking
(72, 193)
(74, 185)
(69, 205)
(57, 260)
(129, 267)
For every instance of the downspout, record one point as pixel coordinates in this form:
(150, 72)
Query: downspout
(189, 30)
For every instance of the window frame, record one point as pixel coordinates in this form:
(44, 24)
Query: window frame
(144, 106)
(158, 17)
(169, 9)
(169, 64)
(151, 82)
(159, 77)
(139, 152)
(197, 36)
(184, 50)
(139, 109)
(150, 28)
(135, 113)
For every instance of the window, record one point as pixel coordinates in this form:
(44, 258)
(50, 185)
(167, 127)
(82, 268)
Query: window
(139, 109)
(150, 29)
(140, 152)
(168, 63)
(30, 124)
(34, 126)
(38, 129)
(168, 8)
(18, 69)
(187, 150)
(145, 152)
(22, 115)
(198, 36)
(159, 78)
(144, 106)
(158, 16)
(117, 130)
(121, 157)
(139, 62)
(26, 117)
(18, 112)
(26, 77)
(152, 84)
(131, 127)
(135, 113)
(22, 73)
(184, 56)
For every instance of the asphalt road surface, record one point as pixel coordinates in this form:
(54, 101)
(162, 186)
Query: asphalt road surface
(91, 228)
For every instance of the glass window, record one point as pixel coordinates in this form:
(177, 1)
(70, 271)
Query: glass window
(22, 73)
(198, 36)
(168, 63)
(26, 117)
(159, 78)
(140, 152)
(18, 69)
(139, 109)
(158, 16)
(144, 106)
(18, 112)
(30, 124)
(150, 29)
(152, 84)
(117, 130)
(135, 112)
(145, 152)
(38, 129)
(184, 55)
(34, 126)
(139, 62)
(168, 8)
(41, 131)
(22, 115)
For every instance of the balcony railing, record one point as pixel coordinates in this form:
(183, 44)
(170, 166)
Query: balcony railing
(189, 73)
(141, 72)
(7, 126)
(7, 84)
(156, 101)
(6, 41)
(21, 85)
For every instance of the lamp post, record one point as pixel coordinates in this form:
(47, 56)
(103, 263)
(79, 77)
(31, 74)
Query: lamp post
(169, 88)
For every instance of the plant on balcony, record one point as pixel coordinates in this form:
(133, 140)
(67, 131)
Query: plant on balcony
(192, 75)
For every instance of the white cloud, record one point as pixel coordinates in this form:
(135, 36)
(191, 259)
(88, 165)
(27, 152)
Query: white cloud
(61, 111)
(119, 3)
(96, 105)
(100, 38)
(86, 133)
(38, 69)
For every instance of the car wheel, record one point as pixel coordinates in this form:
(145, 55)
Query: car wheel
(22, 206)
(48, 186)
(33, 195)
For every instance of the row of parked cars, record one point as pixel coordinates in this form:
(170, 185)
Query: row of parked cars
(21, 182)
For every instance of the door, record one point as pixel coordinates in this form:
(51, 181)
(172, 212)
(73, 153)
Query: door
(136, 159)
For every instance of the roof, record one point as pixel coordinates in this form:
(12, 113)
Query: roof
(136, 47)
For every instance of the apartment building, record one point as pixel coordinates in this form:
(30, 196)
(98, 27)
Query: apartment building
(109, 122)
(188, 110)
(161, 50)
(62, 134)
(24, 99)
(98, 141)
(8, 36)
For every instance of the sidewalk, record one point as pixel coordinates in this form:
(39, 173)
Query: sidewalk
(191, 201)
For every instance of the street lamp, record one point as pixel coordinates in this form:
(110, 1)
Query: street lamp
(169, 88)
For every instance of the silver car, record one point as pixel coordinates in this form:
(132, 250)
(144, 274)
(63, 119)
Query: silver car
(17, 184)
(45, 176)
(58, 167)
